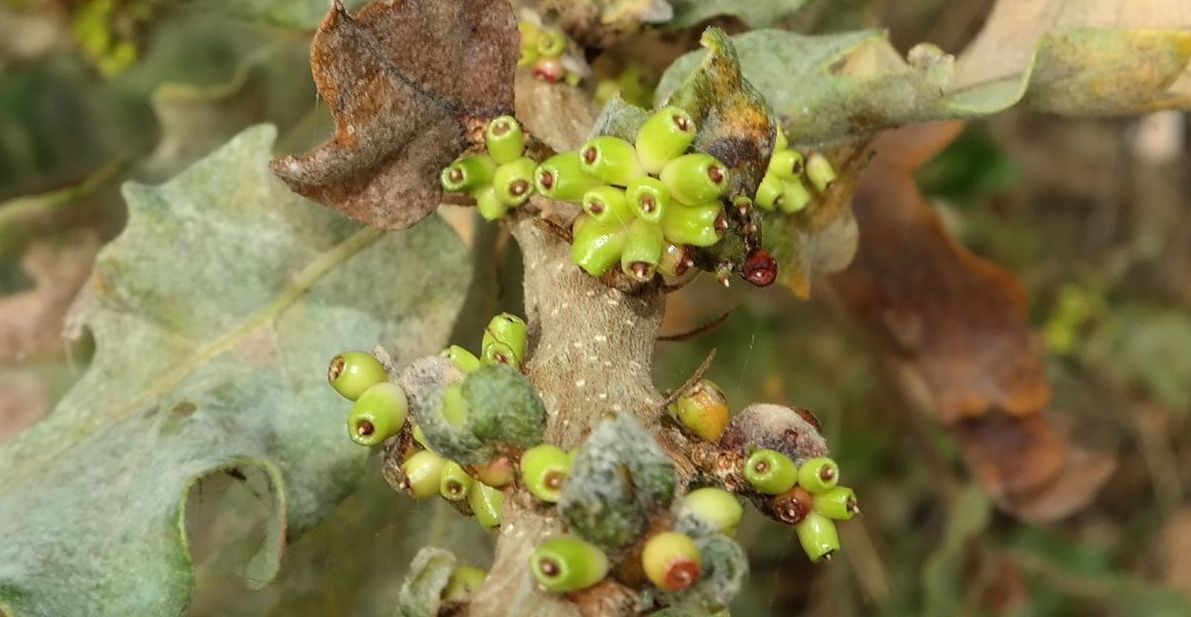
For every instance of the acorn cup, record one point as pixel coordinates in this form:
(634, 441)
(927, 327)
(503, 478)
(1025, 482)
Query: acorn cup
(504, 139)
(352, 372)
(700, 225)
(567, 564)
(642, 250)
(562, 177)
(611, 159)
(665, 136)
(378, 414)
(695, 178)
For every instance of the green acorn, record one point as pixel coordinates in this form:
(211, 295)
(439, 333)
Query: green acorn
(597, 246)
(463, 359)
(487, 504)
(665, 136)
(695, 178)
(642, 250)
(464, 581)
(770, 472)
(496, 473)
(508, 329)
(488, 204)
(513, 181)
(353, 372)
(703, 409)
(468, 173)
(607, 205)
(838, 503)
(818, 475)
(551, 44)
(529, 43)
(819, 171)
(795, 197)
(562, 177)
(454, 483)
(544, 469)
(676, 259)
(671, 561)
(567, 564)
(505, 140)
(716, 506)
(769, 192)
(786, 164)
(421, 474)
(378, 414)
(818, 536)
(701, 225)
(648, 198)
(611, 159)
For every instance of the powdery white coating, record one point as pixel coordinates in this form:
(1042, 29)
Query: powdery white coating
(793, 432)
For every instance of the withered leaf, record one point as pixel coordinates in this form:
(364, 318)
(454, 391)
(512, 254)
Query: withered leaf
(407, 82)
(952, 326)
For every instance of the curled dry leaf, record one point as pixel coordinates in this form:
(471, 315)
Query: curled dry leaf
(408, 83)
(953, 328)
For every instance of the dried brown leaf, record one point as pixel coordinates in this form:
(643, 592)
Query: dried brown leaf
(31, 321)
(407, 82)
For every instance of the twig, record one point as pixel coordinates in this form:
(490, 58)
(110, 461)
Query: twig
(706, 328)
(690, 382)
(551, 227)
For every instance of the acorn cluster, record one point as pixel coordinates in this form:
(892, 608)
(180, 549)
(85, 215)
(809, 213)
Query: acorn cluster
(500, 178)
(783, 187)
(808, 497)
(542, 49)
(644, 203)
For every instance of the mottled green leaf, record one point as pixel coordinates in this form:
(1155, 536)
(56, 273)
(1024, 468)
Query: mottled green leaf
(756, 13)
(214, 315)
(421, 591)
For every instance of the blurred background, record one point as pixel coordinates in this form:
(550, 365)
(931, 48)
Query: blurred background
(1090, 215)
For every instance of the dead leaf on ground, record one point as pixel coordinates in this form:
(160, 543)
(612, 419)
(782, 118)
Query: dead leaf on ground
(407, 82)
(952, 326)
(31, 322)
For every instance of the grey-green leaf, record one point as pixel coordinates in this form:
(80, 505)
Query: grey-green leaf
(215, 313)
(755, 13)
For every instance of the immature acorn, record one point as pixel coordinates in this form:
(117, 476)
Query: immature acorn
(786, 164)
(505, 139)
(529, 43)
(487, 504)
(770, 472)
(551, 43)
(648, 198)
(464, 581)
(611, 159)
(676, 260)
(818, 475)
(818, 536)
(468, 173)
(671, 561)
(597, 246)
(422, 473)
(566, 564)
(353, 372)
(508, 329)
(607, 205)
(695, 178)
(544, 470)
(819, 171)
(562, 177)
(665, 136)
(497, 352)
(703, 409)
(795, 197)
(716, 506)
(488, 204)
(513, 181)
(463, 359)
(792, 506)
(454, 484)
(838, 503)
(642, 250)
(769, 192)
(379, 413)
(496, 473)
(699, 225)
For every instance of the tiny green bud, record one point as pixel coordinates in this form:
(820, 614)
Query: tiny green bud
(505, 140)
(716, 506)
(463, 359)
(648, 198)
(818, 536)
(676, 259)
(353, 372)
(695, 178)
(378, 414)
(489, 204)
(513, 181)
(496, 473)
(567, 564)
(794, 196)
(597, 245)
(769, 192)
(671, 561)
(818, 475)
(785, 164)
(607, 204)
(703, 409)
(551, 44)
(420, 437)
(642, 250)
(770, 472)
(611, 159)
(820, 171)
(464, 581)
(421, 474)
(699, 225)
(664, 137)
(544, 469)
(487, 504)
(496, 352)
(468, 173)
(838, 503)
(454, 483)
(509, 329)
(562, 177)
